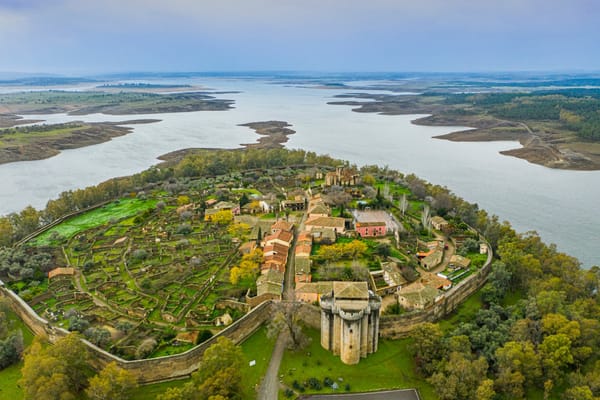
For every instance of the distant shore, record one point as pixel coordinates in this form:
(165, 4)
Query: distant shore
(540, 148)
(41, 144)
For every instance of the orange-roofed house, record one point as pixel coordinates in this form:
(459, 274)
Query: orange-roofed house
(281, 237)
(61, 272)
(282, 225)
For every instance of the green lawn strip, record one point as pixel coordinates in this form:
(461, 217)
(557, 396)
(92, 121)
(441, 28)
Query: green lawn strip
(146, 392)
(391, 367)
(257, 347)
(97, 217)
(9, 377)
(463, 313)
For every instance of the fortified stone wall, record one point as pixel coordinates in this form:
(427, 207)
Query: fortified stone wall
(150, 370)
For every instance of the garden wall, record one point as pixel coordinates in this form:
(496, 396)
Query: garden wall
(150, 370)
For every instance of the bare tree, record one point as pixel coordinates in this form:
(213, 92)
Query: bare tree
(403, 203)
(286, 321)
(426, 218)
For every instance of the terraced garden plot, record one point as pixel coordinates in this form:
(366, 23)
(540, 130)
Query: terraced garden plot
(153, 269)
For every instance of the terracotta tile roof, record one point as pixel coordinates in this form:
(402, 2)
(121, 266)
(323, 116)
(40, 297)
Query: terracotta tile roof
(326, 222)
(277, 248)
(303, 248)
(61, 271)
(282, 225)
(283, 236)
(350, 290)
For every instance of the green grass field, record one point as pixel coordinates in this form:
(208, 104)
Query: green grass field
(69, 228)
(257, 347)
(391, 367)
(465, 312)
(9, 377)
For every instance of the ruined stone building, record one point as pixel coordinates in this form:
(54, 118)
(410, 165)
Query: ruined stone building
(350, 321)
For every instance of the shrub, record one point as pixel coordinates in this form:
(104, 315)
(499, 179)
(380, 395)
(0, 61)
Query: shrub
(78, 324)
(204, 335)
(184, 229)
(314, 384)
(181, 244)
(139, 255)
(145, 348)
(288, 393)
(98, 336)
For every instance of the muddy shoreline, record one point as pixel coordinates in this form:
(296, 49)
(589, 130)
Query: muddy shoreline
(39, 148)
(272, 136)
(540, 148)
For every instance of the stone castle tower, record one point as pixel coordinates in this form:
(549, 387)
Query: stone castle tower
(350, 321)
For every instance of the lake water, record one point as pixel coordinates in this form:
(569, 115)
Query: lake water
(560, 205)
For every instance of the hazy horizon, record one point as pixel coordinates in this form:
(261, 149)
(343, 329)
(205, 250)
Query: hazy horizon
(85, 37)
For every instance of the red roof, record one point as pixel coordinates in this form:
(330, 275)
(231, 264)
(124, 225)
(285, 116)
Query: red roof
(284, 236)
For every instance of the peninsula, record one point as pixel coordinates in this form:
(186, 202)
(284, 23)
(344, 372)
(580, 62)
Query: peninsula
(557, 129)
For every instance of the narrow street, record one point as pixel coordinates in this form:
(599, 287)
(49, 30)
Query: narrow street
(269, 387)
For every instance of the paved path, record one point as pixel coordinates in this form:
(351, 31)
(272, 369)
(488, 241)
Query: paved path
(269, 387)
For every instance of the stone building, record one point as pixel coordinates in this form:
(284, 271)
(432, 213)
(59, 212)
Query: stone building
(350, 321)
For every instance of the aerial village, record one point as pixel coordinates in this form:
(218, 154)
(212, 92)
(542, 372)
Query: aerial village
(193, 258)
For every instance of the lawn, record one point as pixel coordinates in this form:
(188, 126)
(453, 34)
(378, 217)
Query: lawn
(464, 312)
(113, 211)
(391, 367)
(257, 347)
(9, 377)
(9, 389)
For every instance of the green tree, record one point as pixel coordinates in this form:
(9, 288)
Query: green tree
(459, 377)
(112, 383)
(44, 376)
(428, 347)
(555, 353)
(485, 391)
(219, 373)
(516, 360)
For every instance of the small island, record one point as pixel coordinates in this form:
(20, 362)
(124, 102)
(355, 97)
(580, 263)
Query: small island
(273, 134)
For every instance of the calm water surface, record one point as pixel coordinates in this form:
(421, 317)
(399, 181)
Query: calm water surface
(560, 205)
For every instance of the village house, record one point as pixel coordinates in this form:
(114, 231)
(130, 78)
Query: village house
(417, 296)
(483, 248)
(275, 248)
(303, 250)
(337, 225)
(302, 269)
(459, 262)
(311, 292)
(318, 209)
(247, 247)
(439, 223)
(270, 285)
(227, 205)
(342, 176)
(433, 256)
(282, 225)
(282, 237)
(323, 235)
(370, 229)
(61, 271)
(373, 223)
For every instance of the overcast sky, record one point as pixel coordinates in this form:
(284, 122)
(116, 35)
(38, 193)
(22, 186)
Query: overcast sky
(89, 36)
